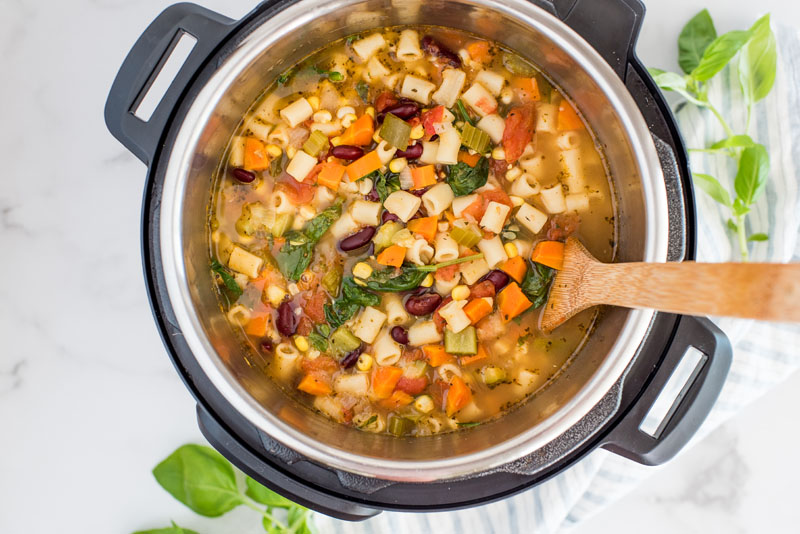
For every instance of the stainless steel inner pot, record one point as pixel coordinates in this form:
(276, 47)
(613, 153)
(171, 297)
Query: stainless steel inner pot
(283, 40)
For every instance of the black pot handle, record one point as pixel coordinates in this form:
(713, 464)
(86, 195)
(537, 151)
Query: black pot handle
(246, 460)
(689, 409)
(144, 62)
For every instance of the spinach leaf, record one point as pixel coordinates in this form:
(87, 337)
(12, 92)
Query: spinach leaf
(174, 529)
(354, 297)
(695, 37)
(669, 81)
(389, 280)
(751, 178)
(536, 283)
(712, 187)
(296, 254)
(264, 495)
(719, 53)
(464, 179)
(227, 278)
(757, 63)
(358, 295)
(386, 184)
(318, 341)
(200, 478)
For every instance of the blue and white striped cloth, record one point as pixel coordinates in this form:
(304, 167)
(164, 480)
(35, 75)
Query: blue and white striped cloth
(764, 353)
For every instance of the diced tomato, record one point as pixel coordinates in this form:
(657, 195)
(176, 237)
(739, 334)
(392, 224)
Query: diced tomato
(482, 289)
(445, 274)
(315, 306)
(431, 118)
(385, 100)
(299, 193)
(562, 226)
(324, 364)
(438, 320)
(520, 125)
(304, 326)
(476, 209)
(412, 386)
(497, 195)
(488, 106)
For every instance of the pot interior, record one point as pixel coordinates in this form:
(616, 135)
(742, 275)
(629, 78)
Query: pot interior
(286, 37)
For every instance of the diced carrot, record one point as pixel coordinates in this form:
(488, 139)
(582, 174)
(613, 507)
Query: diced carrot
(397, 400)
(527, 89)
(478, 50)
(255, 155)
(364, 165)
(549, 253)
(360, 132)
(257, 326)
(331, 175)
(384, 379)
(424, 226)
(469, 159)
(474, 358)
(511, 301)
(392, 256)
(477, 309)
(436, 355)
(567, 117)
(458, 395)
(515, 268)
(313, 384)
(423, 176)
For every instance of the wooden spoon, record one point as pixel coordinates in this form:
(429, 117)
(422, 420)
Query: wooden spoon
(765, 291)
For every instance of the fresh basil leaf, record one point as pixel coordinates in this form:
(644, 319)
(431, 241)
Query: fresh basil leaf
(227, 278)
(732, 225)
(464, 179)
(695, 37)
(735, 141)
(389, 280)
(264, 495)
(536, 283)
(174, 529)
(200, 478)
(751, 178)
(739, 208)
(758, 62)
(669, 81)
(758, 237)
(719, 53)
(712, 187)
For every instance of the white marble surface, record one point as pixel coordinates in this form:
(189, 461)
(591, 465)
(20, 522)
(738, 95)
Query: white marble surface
(89, 402)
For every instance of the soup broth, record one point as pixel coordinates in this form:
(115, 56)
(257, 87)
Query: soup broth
(387, 220)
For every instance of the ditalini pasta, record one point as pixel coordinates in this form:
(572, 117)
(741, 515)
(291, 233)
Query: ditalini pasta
(379, 226)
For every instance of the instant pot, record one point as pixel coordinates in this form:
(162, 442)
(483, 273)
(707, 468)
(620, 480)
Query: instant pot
(600, 400)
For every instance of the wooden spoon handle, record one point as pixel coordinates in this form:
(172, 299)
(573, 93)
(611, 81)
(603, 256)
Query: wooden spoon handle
(764, 291)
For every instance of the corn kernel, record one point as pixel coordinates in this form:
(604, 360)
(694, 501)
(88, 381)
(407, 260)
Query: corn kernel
(499, 153)
(418, 132)
(424, 403)
(274, 150)
(427, 281)
(293, 289)
(370, 111)
(517, 201)
(511, 250)
(513, 174)
(291, 152)
(314, 101)
(275, 295)
(398, 164)
(364, 363)
(301, 342)
(323, 116)
(348, 119)
(362, 270)
(336, 141)
(460, 292)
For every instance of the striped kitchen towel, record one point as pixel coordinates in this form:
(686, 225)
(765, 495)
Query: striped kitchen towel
(764, 353)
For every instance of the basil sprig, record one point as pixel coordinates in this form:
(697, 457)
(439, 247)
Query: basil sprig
(702, 54)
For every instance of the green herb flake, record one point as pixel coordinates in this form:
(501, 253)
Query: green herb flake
(227, 278)
(368, 422)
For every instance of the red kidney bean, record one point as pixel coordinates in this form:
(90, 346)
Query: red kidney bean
(267, 345)
(287, 320)
(423, 304)
(434, 47)
(351, 358)
(347, 152)
(400, 335)
(498, 278)
(243, 176)
(358, 239)
(412, 152)
(404, 110)
(373, 195)
(387, 216)
(420, 192)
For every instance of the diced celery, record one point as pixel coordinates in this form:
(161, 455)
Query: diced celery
(493, 375)
(383, 237)
(396, 131)
(255, 216)
(473, 138)
(399, 426)
(464, 237)
(332, 279)
(316, 143)
(462, 343)
(416, 370)
(343, 341)
(282, 223)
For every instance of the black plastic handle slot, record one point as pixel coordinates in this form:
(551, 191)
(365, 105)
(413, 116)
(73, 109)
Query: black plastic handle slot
(656, 445)
(143, 65)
